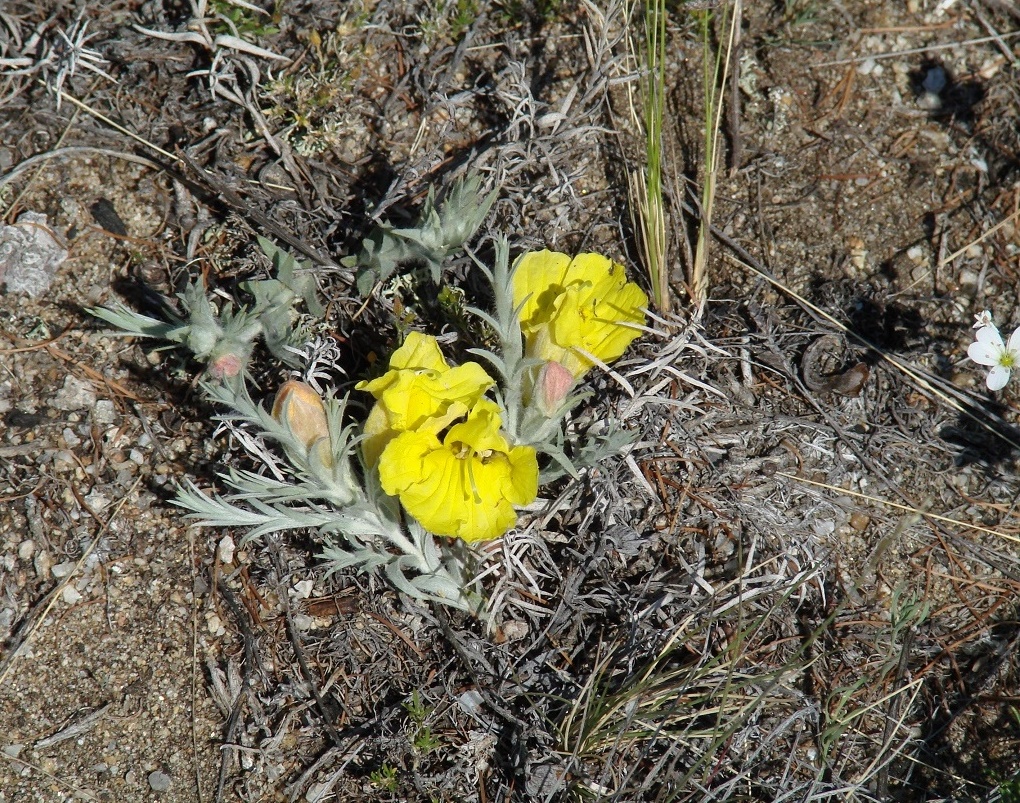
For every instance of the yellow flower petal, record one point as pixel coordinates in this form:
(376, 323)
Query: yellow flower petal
(465, 486)
(420, 387)
(575, 307)
(538, 274)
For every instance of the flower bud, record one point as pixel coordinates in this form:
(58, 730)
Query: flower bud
(302, 411)
(554, 383)
(226, 366)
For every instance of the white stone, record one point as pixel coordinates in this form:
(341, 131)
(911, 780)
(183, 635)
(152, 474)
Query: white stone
(303, 589)
(104, 412)
(74, 395)
(70, 438)
(225, 551)
(61, 570)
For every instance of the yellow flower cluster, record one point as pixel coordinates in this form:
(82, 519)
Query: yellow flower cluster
(438, 445)
(437, 441)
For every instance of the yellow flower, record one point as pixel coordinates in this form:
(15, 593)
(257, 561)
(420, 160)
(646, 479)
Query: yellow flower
(420, 386)
(465, 485)
(576, 306)
(302, 411)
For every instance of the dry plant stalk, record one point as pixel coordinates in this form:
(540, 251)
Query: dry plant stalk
(645, 186)
(714, 76)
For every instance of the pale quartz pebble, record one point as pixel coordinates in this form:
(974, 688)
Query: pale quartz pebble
(75, 394)
(303, 588)
(968, 278)
(61, 570)
(96, 501)
(303, 622)
(225, 550)
(915, 253)
(104, 412)
(29, 255)
(70, 595)
(26, 549)
(867, 66)
(214, 624)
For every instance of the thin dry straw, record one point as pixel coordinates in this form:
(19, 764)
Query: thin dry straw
(916, 50)
(906, 508)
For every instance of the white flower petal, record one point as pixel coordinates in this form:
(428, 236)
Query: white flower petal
(989, 334)
(997, 377)
(1013, 344)
(984, 353)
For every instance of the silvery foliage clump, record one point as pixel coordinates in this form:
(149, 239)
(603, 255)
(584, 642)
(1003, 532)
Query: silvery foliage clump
(361, 525)
(214, 334)
(441, 230)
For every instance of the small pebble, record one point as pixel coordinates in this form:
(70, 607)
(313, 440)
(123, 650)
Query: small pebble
(968, 278)
(859, 521)
(214, 624)
(70, 595)
(159, 781)
(70, 439)
(61, 570)
(225, 552)
(26, 549)
(97, 501)
(303, 589)
(104, 412)
(867, 67)
(73, 395)
(43, 562)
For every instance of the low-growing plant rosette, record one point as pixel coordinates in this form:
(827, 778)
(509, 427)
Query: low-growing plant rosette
(448, 454)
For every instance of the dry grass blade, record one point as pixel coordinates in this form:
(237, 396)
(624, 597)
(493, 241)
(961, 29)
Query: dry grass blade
(906, 508)
(645, 185)
(714, 79)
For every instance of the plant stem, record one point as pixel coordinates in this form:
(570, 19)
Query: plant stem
(647, 207)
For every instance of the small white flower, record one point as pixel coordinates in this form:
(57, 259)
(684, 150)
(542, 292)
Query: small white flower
(988, 349)
(983, 319)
